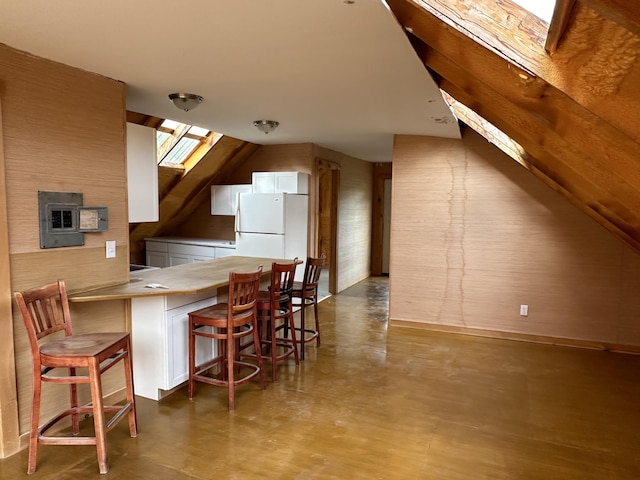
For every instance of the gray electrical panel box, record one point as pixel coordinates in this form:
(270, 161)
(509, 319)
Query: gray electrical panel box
(63, 219)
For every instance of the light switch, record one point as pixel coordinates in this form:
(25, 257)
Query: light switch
(111, 249)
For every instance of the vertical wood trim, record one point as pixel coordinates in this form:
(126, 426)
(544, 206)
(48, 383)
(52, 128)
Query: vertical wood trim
(334, 168)
(381, 172)
(333, 259)
(9, 425)
(558, 25)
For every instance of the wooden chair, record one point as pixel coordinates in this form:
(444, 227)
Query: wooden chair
(45, 310)
(274, 308)
(305, 294)
(228, 322)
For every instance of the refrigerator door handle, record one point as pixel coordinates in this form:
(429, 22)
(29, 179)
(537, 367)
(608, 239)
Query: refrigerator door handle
(237, 219)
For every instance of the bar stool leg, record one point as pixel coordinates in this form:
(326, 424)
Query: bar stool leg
(35, 419)
(131, 399)
(315, 313)
(98, 415)
(302, 329)
(230, 368)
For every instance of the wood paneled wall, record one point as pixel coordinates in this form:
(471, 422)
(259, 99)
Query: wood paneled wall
(64, 130)
(474, 235)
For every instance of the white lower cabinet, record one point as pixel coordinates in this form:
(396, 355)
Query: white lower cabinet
(157, 254)
(179, 259)
(160, 335)
(224, 252)
(170, 253)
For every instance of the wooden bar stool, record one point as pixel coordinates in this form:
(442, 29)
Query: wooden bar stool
(305, 294)
(228, 322)
(275, 311)
(45, 310)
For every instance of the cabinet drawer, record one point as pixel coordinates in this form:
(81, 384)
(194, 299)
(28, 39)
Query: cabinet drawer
(156, 246)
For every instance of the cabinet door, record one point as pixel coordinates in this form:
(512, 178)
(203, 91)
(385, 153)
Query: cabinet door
(292, 182)
(178, 343)
(221, 200)
(263, 182)
(235, 191)
(179, 259)
(224, 198)
(157, 259)
(142, 174)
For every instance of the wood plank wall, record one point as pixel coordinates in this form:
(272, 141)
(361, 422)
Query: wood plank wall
(64, 130)
(474, 235)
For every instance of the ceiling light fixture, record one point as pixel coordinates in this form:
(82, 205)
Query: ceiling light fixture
(186, 101)
(266, 126)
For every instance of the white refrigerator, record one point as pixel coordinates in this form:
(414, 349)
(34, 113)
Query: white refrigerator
(272, 225)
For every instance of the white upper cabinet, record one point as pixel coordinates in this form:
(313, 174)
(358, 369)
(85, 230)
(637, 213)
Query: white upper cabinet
(224, 198)
(142, 173)
(280, 182)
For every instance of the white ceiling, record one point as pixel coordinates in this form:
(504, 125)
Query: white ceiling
(340, 75)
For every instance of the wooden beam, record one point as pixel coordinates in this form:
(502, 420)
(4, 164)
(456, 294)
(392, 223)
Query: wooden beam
(558, 25)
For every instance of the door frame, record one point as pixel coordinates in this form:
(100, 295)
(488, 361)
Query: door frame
(334, 169)
(381, 172)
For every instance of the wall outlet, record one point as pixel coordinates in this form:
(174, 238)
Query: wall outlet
(524, 310)
(111, 249)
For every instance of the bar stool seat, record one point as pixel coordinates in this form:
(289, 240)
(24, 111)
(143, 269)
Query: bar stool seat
(45, 310)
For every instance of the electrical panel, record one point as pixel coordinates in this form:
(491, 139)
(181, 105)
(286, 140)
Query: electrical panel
(63, 219)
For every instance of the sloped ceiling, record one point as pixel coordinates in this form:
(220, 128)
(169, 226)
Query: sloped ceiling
(576, 112)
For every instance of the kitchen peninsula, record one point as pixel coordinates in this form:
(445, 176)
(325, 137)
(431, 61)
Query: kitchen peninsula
(160, 301)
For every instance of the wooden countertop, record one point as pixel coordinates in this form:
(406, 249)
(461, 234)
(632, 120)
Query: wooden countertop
(180, 280)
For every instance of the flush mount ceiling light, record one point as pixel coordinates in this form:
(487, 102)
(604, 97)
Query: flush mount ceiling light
(266, 126)
(186, 101)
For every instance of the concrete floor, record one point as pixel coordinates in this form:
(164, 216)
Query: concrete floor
(373, 403)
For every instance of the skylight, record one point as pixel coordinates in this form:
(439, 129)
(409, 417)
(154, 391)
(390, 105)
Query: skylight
(176, 142)
(542, 9)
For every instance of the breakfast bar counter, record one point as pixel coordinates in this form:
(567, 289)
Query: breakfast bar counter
(191, 278)
(160, 301)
